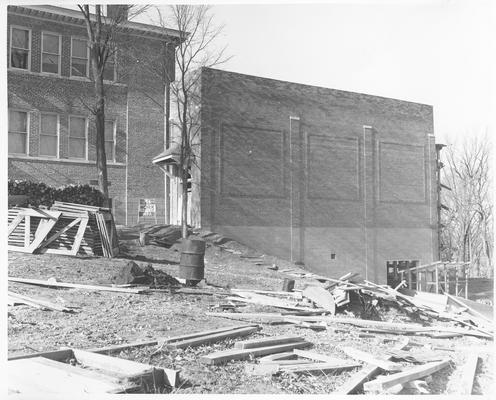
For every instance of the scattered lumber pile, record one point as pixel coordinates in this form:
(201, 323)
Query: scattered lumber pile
(81, 372)
(67, 228)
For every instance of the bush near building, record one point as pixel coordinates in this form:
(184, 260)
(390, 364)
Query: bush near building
(42, 194)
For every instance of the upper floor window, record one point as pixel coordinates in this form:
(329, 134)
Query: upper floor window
(20, 47)
(50, 53)
(109, 69)
(49, 135)
(110, 140)
(79, 57)
(18, 132)
(77, 137)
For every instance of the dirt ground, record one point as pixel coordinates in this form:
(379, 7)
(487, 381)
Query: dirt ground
(105, 318)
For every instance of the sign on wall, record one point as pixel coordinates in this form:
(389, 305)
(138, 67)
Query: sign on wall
(147, 209)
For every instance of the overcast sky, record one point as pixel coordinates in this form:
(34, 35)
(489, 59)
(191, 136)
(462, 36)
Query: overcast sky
(437, 52)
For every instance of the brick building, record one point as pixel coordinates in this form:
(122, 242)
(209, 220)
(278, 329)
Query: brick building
(339, 181)
(52, 131)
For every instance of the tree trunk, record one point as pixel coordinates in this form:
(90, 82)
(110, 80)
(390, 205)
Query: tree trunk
(184, 213)
(101, 159)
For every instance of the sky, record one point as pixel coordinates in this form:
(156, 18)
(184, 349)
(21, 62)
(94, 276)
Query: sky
(437, 52)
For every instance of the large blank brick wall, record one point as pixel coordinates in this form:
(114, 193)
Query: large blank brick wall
(318, 175)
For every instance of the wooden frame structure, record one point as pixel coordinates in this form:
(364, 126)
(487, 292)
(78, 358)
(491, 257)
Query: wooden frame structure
(438, 277)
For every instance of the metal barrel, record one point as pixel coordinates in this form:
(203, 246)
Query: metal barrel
(191, 266)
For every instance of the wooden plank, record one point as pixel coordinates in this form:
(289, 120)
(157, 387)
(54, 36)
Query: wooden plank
(277, 357)
(213, 338)
(40, 282)
(205, 333)
(57, 355)
(265, 342)
(320, 297)
(27, 231)
(120, 347)
(60, 232)
(468, 374)
(385, 382)
(31, 377)
(295, 295)
(243, 354)
(248, 297)
(319, 357)
(37, 302)
(13, 225)
(79, 236)
(368, 372)
(370, 359)
(317, 368)
(127, 367)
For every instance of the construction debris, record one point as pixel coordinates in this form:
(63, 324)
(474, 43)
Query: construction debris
(77, 371)
(67, 228)
(468, 375)
(16, 298)
(385, 382)
(54, 283)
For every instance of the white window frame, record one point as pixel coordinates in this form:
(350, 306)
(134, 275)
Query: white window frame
(114, 124)
(58, 135)
(85, 136)
(30, 48)
(59, 67)
(28, 128)
(87, 58)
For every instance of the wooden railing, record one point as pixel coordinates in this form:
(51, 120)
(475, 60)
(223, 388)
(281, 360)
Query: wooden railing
(438, 277)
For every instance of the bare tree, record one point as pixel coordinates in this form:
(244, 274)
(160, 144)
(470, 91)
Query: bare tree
(195, 49)
(102, 32)
(468, 220)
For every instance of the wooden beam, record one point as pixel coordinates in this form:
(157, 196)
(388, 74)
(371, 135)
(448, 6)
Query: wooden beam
(370, 359)
(40, 282)
(120, 366)
(205, 333)
(243, 354)
(56, 355)
(269, 341)
(319, 357)
(36, 302)
(317, 367)
(120, 347)
(368, 372)
(277, 357)
(198, 341)
(385, 382)
(468, 374)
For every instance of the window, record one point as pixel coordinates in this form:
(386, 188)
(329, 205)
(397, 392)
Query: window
(49, 140)
(109, 69)
(18, 132)
(20, 46)
(77, 137)
(110, 140)
(50, 53)
(79, 57)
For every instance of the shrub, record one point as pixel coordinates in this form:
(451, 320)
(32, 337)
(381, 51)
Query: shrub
(42, 194)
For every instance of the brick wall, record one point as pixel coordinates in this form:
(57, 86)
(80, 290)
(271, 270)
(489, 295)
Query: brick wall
(134, 102)
(347, 183)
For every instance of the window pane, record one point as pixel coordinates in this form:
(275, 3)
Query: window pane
(50, 43)
(77, 127)
(17, 143)
(48, 145)
(109, 130)
(108, 72)
(77, 148)
(20, 38)
(79, 48)
(109, 150)
(50, 63)
(49, 124)
(18, 121)
(19, 58)
(78, 67)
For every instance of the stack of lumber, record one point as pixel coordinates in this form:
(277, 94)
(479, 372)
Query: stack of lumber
(67, 228)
